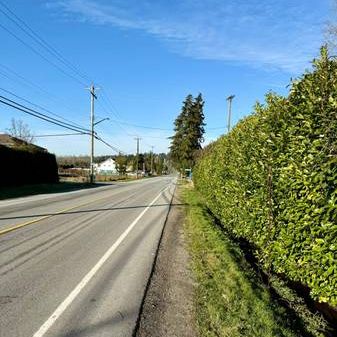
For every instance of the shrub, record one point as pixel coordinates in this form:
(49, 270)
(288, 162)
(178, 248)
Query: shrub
(26, 166)
(273, 180)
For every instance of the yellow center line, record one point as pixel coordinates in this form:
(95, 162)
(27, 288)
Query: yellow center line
(7, 230)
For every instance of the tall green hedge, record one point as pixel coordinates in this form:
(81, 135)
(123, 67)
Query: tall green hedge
(273, 180)
(26, 166)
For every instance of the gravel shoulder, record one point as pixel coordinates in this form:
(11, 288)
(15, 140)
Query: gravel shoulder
(168, 308)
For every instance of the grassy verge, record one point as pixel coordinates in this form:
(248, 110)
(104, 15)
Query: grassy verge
(231, 298)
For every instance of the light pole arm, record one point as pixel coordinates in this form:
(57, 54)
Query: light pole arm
(102, 120)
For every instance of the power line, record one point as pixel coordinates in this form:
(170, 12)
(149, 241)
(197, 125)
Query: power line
(29, 111)
(21, 24)
(155, 137)
(28, 83)
(216, 128)
(38, 39)
(40, 107)
(61, 135)
(114, 109)
(155, 127)
(119, 117)
(41, 55)
(109, 145)
(144, 126)
(44, 115)
(36, 114)
(114, 120)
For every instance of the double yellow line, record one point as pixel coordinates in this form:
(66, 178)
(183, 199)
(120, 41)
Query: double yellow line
(11, 229)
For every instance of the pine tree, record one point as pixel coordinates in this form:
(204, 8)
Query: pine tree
(189, 130)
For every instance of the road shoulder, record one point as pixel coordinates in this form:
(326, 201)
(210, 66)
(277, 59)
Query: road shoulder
(168, 308)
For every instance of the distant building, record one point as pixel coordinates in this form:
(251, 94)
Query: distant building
(13, 142)
(106, 167)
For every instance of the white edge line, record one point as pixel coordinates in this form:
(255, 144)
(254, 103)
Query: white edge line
(70, 298)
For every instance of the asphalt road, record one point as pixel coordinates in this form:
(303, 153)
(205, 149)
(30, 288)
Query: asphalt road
(77, 263)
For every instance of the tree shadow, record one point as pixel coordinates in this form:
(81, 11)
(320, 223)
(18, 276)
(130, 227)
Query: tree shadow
(242, 252)
(11, 192)
(89, 211)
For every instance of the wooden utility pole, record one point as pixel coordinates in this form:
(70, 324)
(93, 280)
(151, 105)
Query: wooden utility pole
(92, 133)
(137, 155)
(152, 147)
(229, 100)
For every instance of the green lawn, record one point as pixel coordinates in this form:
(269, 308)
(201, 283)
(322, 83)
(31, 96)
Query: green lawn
(231, 299)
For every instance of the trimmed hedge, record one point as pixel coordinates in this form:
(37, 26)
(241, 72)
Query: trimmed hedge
(273, 180)
(26, 165)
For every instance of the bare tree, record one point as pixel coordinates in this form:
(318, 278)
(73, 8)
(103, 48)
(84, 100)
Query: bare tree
(20, 130)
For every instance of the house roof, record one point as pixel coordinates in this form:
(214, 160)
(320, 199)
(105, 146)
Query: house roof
(109, 160)
(12, 142)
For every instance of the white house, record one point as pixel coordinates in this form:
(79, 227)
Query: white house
(106, 167)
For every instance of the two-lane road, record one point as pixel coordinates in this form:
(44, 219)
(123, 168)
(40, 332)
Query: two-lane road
(77, 264)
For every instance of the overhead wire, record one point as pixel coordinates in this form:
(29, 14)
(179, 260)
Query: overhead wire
(17, 78)
(61, 135)
(39, 40)
(108, 112)
(112, 109)
(32, 112)
(40, 107)
(52, 51)
(109, 145)
(119, 117)
(41, 55)
(35, 113)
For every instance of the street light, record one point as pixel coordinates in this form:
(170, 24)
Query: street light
(93, 136)
(102, 120)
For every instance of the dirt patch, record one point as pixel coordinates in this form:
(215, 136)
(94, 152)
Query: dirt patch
(168, 308)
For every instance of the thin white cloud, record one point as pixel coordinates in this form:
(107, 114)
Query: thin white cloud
(278, 34)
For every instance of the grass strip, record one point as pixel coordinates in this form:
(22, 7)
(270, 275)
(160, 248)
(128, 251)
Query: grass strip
(231, 299)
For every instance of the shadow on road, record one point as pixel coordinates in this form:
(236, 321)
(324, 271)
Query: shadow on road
(28, 190)
(90, 211)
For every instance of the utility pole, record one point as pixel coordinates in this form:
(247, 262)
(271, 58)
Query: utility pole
(152, 160)
(92, 132)
(137, 157)
(229, 100)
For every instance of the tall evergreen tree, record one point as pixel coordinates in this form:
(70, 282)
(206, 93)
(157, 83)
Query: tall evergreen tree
(189, 130)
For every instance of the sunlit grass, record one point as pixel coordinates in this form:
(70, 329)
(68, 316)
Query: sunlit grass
(231, 299)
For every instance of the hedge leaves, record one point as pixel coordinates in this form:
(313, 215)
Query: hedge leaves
(273, 180)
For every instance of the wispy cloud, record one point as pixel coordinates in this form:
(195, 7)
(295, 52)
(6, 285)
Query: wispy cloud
(277, 34)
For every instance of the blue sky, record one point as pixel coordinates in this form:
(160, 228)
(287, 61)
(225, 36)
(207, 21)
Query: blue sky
(147, 56)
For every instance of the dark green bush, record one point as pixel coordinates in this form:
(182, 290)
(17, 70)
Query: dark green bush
(273, 180)
(21, 166)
